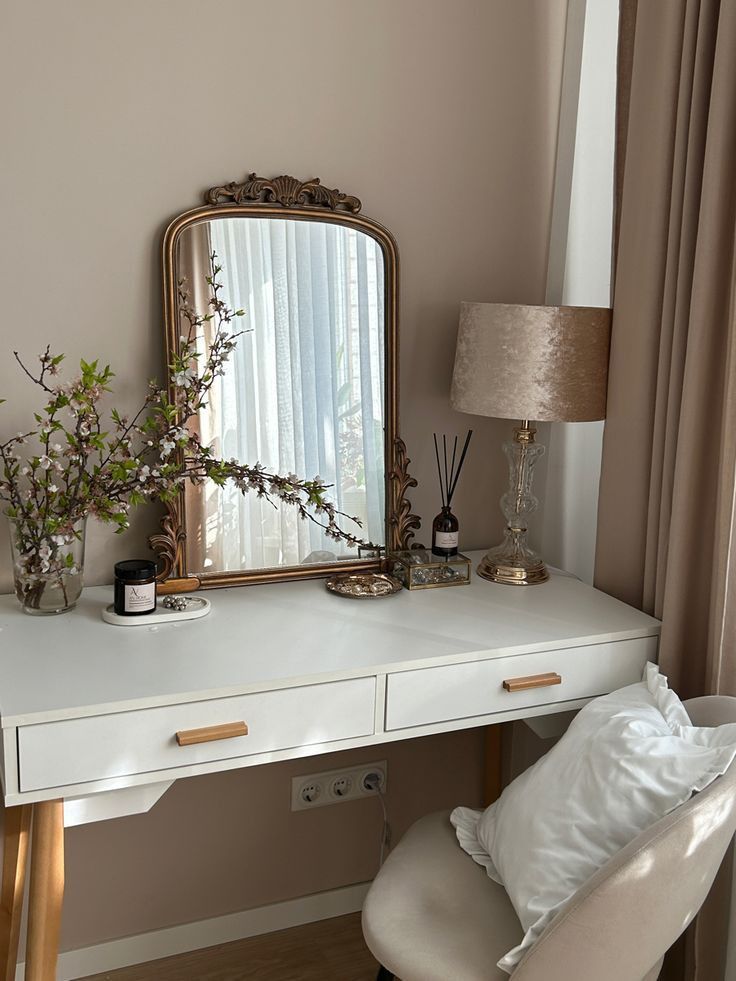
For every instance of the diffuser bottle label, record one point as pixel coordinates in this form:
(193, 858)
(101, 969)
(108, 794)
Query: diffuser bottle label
(446, 539)
(140, 598)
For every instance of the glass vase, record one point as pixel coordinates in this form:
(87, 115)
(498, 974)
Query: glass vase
(47, 568)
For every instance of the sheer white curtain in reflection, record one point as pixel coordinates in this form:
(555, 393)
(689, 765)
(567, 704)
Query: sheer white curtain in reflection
(303, 393)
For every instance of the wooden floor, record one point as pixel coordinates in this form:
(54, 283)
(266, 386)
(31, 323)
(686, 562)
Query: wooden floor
(332, 950)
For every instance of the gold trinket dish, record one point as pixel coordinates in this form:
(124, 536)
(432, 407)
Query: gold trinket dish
(372, 585)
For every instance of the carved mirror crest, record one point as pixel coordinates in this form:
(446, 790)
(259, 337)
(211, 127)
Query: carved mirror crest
(311, 388)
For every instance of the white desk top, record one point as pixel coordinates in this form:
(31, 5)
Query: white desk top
(271, 636)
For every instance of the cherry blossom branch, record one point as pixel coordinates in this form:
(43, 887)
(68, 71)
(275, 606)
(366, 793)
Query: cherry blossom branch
(74, 467)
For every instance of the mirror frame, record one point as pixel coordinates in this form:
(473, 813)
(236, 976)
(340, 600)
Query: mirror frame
(308, 200)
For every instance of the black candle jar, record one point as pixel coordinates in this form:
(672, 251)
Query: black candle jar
(135, 587)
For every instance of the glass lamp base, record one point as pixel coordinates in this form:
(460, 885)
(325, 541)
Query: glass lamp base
(513, 563)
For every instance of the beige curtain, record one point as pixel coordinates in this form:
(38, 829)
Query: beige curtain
(666, 512)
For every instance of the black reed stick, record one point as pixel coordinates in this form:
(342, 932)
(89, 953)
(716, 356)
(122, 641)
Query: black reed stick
(452, 466)
(447, 483)
(439, 469)
(453, 485)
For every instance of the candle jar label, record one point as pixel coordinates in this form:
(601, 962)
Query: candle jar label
(140, 597)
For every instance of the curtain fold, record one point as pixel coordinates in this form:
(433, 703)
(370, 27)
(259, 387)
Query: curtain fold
(666, 508)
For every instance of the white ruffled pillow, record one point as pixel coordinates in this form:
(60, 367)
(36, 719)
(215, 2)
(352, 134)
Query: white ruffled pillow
(627, 759)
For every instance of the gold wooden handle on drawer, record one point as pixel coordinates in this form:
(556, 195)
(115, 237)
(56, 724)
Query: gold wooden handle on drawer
(188, 737)
(532, 681)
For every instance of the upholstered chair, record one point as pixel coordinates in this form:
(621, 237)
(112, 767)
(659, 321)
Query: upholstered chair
(433, 914)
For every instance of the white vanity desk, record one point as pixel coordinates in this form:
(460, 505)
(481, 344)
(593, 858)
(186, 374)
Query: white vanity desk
(90, 712)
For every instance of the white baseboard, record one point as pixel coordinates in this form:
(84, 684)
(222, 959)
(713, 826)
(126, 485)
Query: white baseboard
(206, 933)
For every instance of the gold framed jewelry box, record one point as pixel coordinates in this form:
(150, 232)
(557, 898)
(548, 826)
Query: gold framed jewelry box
(419, 569)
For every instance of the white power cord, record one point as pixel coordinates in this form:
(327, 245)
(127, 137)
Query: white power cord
(372, 782)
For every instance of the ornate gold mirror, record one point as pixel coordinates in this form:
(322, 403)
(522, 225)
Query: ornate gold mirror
(311, 388)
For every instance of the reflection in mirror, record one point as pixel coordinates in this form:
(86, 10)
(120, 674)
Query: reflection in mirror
(304, 391)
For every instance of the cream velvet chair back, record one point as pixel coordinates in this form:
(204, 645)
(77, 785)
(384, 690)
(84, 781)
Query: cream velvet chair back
(617, 927)
(625, 918)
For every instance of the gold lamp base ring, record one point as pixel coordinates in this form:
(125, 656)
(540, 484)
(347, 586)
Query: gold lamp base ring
(513, 575)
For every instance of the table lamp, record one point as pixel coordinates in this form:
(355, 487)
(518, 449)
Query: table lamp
(548, 364)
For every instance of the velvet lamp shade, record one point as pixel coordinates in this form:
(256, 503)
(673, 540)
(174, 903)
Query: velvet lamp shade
(531, 362)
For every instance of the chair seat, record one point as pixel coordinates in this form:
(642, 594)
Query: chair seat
(433, 913)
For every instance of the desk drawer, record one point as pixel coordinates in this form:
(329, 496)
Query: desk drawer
(53, 754)
(475, 688)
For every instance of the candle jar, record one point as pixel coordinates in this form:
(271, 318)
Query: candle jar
(135, 587)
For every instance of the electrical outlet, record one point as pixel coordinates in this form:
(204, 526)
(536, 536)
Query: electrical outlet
(341, 786)
(335, 786)
(310, 792)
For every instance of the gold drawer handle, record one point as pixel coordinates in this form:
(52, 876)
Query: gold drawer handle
(188, 737)
(532, 681)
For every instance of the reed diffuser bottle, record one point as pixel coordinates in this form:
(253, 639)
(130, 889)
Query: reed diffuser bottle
(446, 527)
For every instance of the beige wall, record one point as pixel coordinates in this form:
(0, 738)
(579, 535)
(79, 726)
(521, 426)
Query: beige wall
(441, 116)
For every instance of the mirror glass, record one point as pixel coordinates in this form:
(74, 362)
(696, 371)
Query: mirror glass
(303, 392)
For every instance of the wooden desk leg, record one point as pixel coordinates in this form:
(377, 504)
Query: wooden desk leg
(46, 890)
(492, 780)
(15, 855)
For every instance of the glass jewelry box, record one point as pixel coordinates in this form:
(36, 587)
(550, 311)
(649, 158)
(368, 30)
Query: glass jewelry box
(419, 569)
